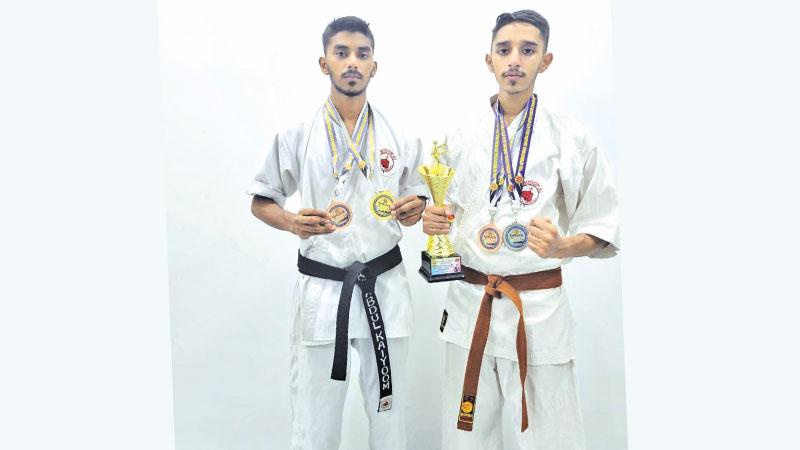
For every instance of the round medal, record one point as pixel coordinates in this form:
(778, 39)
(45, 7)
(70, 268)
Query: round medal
(381, 205)
(515, 236)
(340, 213)
(489, 238)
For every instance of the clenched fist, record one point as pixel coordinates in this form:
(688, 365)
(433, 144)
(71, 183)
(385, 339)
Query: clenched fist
(543, 238)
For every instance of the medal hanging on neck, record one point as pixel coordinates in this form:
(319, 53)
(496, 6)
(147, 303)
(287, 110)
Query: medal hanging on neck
(515, 235)
(489, 237)
(341, 214)
(381, 203)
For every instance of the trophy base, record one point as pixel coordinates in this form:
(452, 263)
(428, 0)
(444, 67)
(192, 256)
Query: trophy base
(435, 269)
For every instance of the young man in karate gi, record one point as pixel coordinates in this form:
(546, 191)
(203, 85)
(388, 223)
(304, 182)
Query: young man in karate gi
(357, 178)
(531, 191)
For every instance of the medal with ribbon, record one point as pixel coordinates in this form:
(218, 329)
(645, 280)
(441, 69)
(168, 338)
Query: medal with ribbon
(507, 178)
(381, 202)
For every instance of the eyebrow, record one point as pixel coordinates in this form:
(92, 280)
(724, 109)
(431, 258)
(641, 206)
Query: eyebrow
(505, 43)
(344, 47)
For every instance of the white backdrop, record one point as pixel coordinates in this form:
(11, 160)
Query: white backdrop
(233, 74)
(709, 265)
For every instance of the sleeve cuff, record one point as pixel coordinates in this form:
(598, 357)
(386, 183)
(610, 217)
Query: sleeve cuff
(263, 190)
(608, 234)
(419, 190)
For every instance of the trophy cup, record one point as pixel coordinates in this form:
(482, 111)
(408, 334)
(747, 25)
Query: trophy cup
(439, 259)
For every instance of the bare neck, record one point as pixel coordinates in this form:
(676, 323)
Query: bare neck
(513, 103)
(349, 108)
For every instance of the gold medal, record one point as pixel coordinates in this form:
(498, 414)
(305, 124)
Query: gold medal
(381, 205)
(341, 214)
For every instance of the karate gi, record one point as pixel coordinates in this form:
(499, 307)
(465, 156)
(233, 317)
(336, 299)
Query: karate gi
(574, 189)
(300, 160)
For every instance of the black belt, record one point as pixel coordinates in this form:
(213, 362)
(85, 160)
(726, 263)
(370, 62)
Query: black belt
(365, 275)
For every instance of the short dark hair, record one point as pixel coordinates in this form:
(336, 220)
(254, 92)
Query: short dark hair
(525, 15)
(352, 24)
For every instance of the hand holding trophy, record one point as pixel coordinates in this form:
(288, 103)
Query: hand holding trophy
(439, 260)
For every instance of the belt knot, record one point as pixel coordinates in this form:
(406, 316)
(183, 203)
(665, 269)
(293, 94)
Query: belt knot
(492, 286)
(359, 271)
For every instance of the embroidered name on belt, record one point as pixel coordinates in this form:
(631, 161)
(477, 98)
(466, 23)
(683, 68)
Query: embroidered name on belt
(467, 412)
(378, 335)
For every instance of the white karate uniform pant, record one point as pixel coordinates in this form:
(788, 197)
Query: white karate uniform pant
(551, 391)
(318, 401)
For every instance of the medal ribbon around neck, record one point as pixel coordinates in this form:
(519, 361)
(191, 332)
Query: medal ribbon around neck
(381, 202)
(501, 159)
(366, 122)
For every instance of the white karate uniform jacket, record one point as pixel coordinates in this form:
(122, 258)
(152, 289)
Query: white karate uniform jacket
(300, 160)
(577, 194)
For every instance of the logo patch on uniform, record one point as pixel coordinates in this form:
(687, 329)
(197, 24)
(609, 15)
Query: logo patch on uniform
(387, 161)
(530, 192)
(444, 321)
(385, 404)
(466, 413)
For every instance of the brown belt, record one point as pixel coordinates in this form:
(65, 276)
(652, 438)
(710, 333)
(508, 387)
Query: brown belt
(496, 287)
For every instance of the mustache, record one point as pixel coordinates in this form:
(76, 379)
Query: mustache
(513, 72)
(355, 73)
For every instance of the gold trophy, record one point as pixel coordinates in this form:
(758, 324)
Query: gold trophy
(439, 260)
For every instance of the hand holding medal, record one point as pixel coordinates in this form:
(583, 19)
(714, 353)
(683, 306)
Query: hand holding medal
(408, 210)
(311, 222)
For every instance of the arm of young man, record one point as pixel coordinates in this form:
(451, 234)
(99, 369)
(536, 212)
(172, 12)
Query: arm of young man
(593, 228)
(543, 236)
(545, 241)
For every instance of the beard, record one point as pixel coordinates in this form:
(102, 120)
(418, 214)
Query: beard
(520, 86)
(348, 92)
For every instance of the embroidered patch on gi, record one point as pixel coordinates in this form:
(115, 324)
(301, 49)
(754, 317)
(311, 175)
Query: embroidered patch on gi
(387, 161)
(530, 192)
(444, 321)
(385, 404)
(466, 413)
